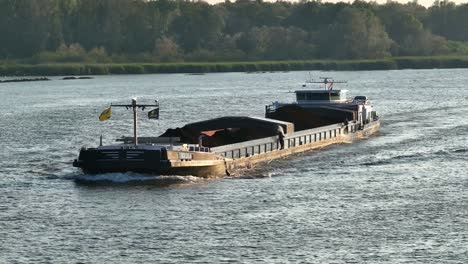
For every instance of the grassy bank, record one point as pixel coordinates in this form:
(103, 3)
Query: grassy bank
(13, 69)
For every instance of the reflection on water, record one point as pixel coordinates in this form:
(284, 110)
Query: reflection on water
(399, 197)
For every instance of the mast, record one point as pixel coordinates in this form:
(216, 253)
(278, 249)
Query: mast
(134, 107)
(135, 134)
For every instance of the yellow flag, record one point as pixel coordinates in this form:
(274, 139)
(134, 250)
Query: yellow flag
(106, 114)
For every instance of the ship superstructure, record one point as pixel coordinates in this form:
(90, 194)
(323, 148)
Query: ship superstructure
(318, 107)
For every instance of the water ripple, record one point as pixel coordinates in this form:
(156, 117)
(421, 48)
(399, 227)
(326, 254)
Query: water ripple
(399, 197)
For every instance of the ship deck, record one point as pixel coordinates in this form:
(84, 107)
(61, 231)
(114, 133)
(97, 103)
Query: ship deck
(247, 154)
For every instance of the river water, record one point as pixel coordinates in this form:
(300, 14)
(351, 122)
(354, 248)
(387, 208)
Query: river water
(399, 197)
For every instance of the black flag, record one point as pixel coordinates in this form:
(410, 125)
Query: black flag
(153, 114)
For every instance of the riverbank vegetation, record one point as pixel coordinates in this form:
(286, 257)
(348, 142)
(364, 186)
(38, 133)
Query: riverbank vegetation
(63, 37)
(206, 67)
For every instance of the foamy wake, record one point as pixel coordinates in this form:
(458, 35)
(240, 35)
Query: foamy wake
(135, 178)
(251, 175)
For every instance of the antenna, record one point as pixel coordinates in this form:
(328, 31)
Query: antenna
(325, 81)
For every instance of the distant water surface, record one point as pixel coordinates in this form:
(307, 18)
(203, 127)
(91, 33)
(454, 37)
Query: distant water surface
(399, 197)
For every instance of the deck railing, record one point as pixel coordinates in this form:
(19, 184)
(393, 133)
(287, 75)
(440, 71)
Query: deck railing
(264, 145)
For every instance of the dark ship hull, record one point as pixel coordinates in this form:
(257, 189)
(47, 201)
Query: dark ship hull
(217, 161)
(142, 159)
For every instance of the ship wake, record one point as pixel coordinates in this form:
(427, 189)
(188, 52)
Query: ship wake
(134, 178)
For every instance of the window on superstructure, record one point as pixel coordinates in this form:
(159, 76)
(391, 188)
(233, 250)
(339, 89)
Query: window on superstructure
(301, 96)
(318, 97)
(335, 96)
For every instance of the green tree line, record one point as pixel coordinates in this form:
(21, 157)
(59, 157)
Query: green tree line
(105, 31)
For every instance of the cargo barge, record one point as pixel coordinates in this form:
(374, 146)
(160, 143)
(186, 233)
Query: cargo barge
(227, 145)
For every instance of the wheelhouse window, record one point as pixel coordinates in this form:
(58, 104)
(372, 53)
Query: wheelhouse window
(301, 96)
(335, 96)
(323, 96)
(317, 97)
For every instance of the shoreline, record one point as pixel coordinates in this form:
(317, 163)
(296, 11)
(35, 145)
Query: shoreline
(74, 69)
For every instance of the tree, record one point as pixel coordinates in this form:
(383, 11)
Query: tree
(228, 31)
(448, 20)
(197, 26)
(356, 34)
(423, 44)
(166, 49)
